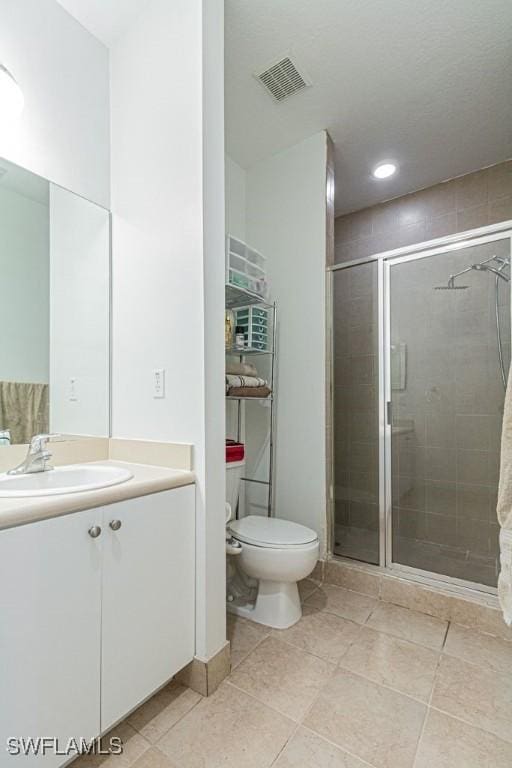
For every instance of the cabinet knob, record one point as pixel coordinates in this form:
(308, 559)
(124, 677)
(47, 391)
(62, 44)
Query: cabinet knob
(95, 531)
(115, 524)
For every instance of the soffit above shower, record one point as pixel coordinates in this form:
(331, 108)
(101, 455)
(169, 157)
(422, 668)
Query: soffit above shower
(427, 84)
(105, 19)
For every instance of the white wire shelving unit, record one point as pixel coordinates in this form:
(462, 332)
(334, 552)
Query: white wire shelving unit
(236, 298)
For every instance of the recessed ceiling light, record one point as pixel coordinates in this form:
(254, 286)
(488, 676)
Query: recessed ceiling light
(384, 170)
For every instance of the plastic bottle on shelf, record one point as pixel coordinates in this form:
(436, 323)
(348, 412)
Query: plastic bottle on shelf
(239, 337)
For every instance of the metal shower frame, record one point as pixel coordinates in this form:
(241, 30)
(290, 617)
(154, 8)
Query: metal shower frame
(385, 261)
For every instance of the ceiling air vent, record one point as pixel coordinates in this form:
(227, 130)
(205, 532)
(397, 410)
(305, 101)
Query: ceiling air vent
(282, 79)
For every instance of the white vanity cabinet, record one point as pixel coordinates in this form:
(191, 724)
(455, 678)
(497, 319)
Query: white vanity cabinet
(93, 621)
(50, 620)
(148, 597)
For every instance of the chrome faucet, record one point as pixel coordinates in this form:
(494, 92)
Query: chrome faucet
(37, 456)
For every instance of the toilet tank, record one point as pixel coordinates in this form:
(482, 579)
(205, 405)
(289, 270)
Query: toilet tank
(234, 473)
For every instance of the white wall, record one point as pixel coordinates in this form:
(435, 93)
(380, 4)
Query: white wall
(286, 221)
(24, 270)
(79, 314)
(63, 133)
(236, 183)
(168, 258)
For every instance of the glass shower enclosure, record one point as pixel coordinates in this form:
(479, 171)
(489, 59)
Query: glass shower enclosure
(420, 356)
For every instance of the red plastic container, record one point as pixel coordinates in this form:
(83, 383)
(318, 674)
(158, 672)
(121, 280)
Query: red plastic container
(234, 451)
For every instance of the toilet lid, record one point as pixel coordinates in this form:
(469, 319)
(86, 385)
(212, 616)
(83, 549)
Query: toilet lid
(271, 532)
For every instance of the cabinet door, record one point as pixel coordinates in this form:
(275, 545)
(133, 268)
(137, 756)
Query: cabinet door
(50, 619)
(148, 597)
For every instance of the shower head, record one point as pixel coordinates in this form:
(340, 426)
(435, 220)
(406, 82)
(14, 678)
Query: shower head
(450, 287)
(482, 266)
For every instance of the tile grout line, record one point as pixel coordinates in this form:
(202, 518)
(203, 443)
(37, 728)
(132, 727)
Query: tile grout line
(317, 655)
(429, 702)
(290, 737)
(333, 744)
(383, 685)
(262, 703)
(155, 744)
(258, 642)
(291, 645)
(469, 724)
(386, 631)
(449, 624)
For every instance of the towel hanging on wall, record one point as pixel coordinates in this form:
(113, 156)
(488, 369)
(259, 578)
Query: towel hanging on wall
(504, 509)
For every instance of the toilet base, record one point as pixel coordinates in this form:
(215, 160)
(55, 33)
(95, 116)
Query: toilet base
(277, 605)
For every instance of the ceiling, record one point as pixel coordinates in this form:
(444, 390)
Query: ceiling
(426, 84)
(105, 19)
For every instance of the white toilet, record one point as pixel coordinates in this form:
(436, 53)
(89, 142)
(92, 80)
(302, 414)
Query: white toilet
(277, 554)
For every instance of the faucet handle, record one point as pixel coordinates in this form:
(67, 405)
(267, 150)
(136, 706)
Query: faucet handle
(38, 442)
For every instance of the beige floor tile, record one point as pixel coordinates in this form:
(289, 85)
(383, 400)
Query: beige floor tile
(163, 710)
(449, 743)
(409, 625)
(368, 720)
(282, 676)
(320, 633)
(342, 602)
(153, 758)
(484, 650)
(404, 666)
(244, 636)
(134, 745)
(227, 730)
(307, 587)
(479, 696)
(308, 750)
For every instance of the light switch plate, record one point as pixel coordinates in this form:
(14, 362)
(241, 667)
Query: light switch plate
(159, 382)
(73, 395)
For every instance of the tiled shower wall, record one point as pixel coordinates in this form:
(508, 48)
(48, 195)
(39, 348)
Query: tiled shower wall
(447, 418)
(480, 198)
(471, 201)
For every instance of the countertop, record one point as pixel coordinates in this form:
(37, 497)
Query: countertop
(146, 480)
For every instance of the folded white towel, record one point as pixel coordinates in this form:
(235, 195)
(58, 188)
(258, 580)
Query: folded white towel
(244, 381)
(240, 369)
(505, 577)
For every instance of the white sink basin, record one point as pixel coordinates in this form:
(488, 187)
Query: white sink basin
(71, 479)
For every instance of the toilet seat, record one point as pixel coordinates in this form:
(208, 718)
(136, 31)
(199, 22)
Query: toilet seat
(272, 532)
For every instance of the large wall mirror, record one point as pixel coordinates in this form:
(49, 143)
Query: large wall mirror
(54, 310)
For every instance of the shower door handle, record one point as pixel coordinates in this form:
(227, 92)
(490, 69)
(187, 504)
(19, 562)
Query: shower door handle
(389, 413)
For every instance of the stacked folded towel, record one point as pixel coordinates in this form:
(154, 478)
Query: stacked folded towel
(246, 386)
(240, 369)
(244, 381)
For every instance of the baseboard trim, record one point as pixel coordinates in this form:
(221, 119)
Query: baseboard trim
(204, 677)
(482, 614)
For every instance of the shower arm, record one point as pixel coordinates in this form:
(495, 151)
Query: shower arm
(482, 266)
(451, 280)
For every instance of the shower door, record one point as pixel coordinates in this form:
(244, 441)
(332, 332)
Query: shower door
(356, 413)
(447, 328)
(420, 357)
